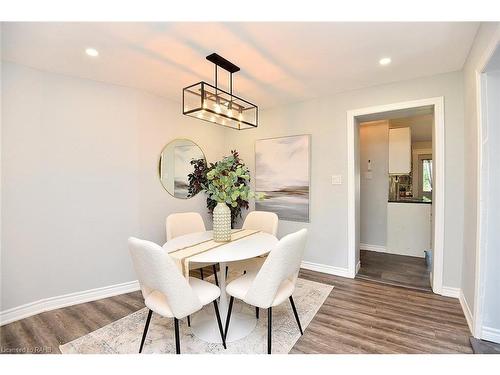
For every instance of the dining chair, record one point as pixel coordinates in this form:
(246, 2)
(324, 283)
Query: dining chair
(273, 283)
(166, 291)
(179, 224)
(263, 221)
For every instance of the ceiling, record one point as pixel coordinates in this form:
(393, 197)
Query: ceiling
(396, 114)
(280, 62)
(420, 126)
(420, 120)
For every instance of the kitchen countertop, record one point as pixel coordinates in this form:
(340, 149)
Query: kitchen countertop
(411, 200)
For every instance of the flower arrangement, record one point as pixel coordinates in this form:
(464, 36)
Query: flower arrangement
(226, 181)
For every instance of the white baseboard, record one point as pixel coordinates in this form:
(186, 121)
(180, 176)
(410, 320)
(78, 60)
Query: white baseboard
(52, 303)
(358, 266)
(378, 248)
(491, 334)
(449, 291)
(467, 311)
(324, 268)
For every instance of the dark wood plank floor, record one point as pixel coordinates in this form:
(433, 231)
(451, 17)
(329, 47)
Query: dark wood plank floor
(402, 270)
(484, 347)
(359, 316)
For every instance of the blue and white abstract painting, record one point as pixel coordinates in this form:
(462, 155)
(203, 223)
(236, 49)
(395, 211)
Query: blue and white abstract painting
(282, 174)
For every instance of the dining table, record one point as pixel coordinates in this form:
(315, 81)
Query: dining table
(199, 247)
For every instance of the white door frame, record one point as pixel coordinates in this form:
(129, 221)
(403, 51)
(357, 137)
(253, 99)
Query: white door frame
(481, 199)
(438, 193)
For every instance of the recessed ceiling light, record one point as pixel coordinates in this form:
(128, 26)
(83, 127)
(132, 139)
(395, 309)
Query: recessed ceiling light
(92, 52)
(385, 61)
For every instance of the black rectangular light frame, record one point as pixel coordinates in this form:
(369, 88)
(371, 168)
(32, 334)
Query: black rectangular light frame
(199, 108)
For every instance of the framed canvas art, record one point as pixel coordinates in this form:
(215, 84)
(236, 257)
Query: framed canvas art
(282, 173)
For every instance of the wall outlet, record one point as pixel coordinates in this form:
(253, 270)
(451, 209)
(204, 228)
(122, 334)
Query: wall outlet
(336, 179)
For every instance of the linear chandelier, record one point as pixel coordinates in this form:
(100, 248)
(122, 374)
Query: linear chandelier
(210, 103)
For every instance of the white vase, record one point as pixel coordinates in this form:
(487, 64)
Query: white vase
(222, 223)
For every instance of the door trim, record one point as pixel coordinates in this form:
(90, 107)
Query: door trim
(481, 179)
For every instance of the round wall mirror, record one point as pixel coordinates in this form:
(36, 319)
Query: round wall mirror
(175, 166)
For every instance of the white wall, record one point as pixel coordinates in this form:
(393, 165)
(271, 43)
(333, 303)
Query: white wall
(374, 146)
(487, 35)
(325, 119)
(79, 176)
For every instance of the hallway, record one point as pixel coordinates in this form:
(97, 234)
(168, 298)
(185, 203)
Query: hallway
(392, 269)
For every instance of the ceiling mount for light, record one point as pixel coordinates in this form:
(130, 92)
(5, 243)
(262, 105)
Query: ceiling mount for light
(210, 103)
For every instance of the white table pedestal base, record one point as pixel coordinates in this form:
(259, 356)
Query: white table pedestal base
(204, 326)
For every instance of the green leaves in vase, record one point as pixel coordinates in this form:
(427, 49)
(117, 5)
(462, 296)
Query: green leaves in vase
(226, 181)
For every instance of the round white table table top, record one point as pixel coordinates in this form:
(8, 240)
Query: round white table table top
(245, 248)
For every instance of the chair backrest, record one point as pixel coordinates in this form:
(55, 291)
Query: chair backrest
(282, 263)
(261, 220)
(184, 223)
(157, 271)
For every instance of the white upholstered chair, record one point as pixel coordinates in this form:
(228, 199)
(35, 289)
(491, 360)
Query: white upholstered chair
(261, 220)
(274, 282)
(264, 221)
(179, 224)
(166, 291)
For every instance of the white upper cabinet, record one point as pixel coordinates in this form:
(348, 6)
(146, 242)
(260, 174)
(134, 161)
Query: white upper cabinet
(399, 151)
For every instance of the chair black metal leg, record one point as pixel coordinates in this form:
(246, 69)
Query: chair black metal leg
(269, 328)
(148, 319)
(227, 269)
(201, 273)
(257, 312)
(231, 300)
(215, 275)
(296, 315)
(189, 321)
(219, 323)
(177, 339)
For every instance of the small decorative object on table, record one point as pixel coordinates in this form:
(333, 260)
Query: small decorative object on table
(222, 222)
(226, 183)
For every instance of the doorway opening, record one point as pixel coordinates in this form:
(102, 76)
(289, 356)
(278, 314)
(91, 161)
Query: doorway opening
(395, 166)
(396, 193)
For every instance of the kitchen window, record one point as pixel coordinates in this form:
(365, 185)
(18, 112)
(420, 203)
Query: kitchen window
(427, 175)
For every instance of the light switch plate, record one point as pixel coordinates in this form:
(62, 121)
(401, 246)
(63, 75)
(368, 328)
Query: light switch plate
(336, 179)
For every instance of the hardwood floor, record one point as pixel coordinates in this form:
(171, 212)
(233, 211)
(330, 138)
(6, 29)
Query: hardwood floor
(410, 272)
(359, 316)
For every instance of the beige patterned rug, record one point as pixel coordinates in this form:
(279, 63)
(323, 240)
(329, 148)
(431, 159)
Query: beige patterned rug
(124, 335)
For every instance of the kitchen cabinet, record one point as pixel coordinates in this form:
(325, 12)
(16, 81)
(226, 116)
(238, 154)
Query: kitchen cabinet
(399, 151)
(409, 228)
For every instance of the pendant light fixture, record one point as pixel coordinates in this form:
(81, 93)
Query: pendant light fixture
(210, 103)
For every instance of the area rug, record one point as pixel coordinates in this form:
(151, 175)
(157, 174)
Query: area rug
(124, 335)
